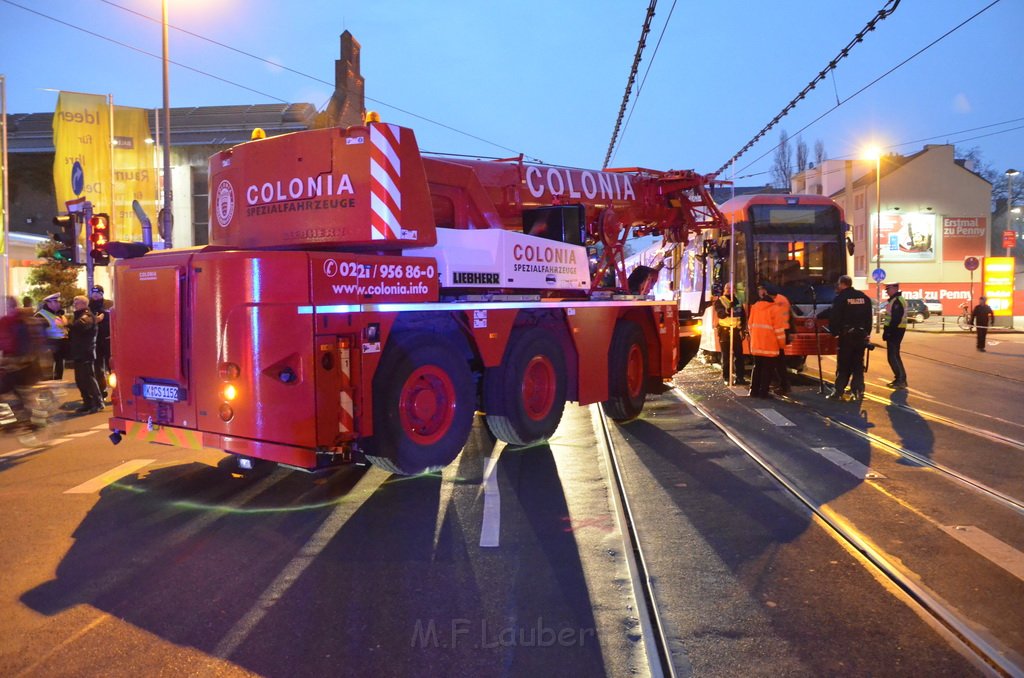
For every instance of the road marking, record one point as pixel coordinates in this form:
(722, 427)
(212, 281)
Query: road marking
(490, 531)
(113, 475)
(774, 417)
(847, 463)
(80, 435)
(999, 552)
(101, 427)
(349, 504)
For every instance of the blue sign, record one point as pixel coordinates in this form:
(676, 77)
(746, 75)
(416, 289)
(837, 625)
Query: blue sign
(77, 178)
(878, 275)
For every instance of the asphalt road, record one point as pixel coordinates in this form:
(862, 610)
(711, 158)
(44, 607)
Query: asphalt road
(142, 559)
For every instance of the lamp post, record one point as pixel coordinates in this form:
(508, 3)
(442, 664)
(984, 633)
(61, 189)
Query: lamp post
(166, 218)
(876, 153)
(1010, 174)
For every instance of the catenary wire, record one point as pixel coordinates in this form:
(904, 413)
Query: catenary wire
(250, 89)
(643, 81)
(632, 78)
(873, 82)
(843, 53)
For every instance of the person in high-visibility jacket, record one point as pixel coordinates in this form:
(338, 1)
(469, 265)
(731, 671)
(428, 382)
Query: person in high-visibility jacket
(785, 311)
(767, 337)
(892, 334)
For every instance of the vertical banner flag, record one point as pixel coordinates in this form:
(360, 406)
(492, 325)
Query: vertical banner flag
(134, 174)
(81, 132)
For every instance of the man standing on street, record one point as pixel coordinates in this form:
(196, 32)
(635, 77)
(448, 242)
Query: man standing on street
(850, 321)
(730, 335)
(82, 347)
(100, 308)
(981, 318)
(892, 334)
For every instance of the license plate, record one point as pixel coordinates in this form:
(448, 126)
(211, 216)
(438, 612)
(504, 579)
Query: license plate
(162, 392)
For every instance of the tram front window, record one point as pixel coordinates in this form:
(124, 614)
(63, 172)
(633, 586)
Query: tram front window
(794, 266)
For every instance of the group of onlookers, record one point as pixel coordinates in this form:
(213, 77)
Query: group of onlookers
(35, 343)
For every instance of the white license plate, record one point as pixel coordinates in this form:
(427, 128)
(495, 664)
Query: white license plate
(161, 392)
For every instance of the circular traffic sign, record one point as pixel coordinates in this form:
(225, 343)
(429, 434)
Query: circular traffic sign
(77, 178)
(971, 263)
(878, 275)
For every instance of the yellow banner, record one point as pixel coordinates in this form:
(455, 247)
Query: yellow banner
(81, 131)
(135, 176)
(998, 273)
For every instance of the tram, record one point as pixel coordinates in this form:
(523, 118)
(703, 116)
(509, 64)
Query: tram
(797, 245)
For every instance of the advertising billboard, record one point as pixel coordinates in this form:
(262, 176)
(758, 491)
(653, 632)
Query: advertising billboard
(998, 281)
(906, 236)
(963, 237)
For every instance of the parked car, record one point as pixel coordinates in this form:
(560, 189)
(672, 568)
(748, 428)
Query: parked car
(917, 310)
(934, 306)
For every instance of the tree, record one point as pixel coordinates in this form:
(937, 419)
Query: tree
(819, 153)
(801, 155)
(53, 276)
(782, 165)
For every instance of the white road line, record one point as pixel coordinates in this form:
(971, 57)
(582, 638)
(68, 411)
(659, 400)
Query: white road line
(113, 475)
(999, 552)
(101, 427)
(490, 530)
(18, 452)
(847, 463)
(363, 490)
(81, 434)
(774, 417)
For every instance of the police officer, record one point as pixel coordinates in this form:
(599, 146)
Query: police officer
(892, 334)
(730, 334)
(56, 332)
(850, 321)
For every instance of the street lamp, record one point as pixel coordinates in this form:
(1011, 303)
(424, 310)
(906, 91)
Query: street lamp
(876, 153)
(166, 220)
(1010, 174)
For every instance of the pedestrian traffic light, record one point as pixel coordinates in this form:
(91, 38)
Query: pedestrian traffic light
(67, 236)
(100, 237)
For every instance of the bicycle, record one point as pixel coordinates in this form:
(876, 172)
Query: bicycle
(963, 321)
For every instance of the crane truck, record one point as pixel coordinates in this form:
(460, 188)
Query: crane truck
(359, 300)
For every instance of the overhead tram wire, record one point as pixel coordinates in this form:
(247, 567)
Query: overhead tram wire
(883, 13)
(142, 51)
(872, 83)
(650, 63)
(632, 78)
(314, 79)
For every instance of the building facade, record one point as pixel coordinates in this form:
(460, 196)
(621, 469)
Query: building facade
(931, 213)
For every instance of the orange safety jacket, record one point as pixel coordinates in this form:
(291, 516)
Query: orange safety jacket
(767, 330)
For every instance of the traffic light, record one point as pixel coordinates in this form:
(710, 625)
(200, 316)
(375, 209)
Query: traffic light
(100, 239)
(67, 236)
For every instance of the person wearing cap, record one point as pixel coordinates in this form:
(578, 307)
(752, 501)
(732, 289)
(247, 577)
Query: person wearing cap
(892, 334)
(767, 338)
(56, 332)
(730, 334)
(981, 317)
(100, 308)
(850, 322)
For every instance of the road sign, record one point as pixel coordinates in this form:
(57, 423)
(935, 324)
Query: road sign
(77, 178)
(1009, 239)
(971, 263)
(878, 275)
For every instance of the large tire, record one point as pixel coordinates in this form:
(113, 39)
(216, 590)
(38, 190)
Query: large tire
(424, 400)
(524, 396)
(627, 373)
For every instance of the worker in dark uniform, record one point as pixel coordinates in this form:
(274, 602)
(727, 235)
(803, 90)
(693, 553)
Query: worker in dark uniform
(730, 334)
(981, 317)
(850, 321)
(892, 334)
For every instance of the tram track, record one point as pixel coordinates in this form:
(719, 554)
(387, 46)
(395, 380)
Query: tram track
(659, 657)
(985, 652)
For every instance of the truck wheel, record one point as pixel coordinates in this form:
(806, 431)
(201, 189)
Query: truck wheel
(525, 395)
(423, 404)
(627, 373)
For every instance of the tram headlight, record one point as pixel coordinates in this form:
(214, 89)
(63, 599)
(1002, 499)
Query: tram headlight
(112, 380)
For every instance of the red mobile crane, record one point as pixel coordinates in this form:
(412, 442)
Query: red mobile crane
(360, 300)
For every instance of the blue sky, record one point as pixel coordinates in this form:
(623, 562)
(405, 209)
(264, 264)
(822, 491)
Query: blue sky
(547, 78)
